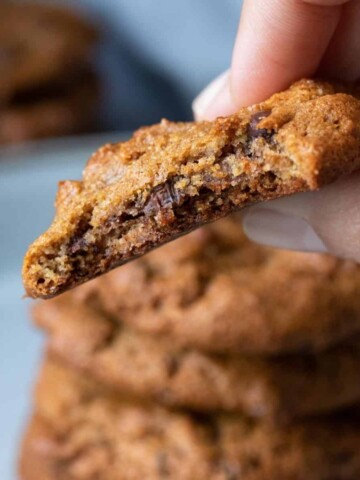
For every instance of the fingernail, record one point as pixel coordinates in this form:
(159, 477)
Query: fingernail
(214, 100)
(281, 230)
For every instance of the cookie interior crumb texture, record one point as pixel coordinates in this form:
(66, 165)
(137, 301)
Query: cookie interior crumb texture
(173, 177)
(216, 291)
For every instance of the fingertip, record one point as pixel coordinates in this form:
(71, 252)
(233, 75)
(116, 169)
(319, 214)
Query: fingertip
(335, 215)
(327, 220)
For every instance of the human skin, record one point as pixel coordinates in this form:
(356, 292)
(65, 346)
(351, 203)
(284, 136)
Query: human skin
(278, 42)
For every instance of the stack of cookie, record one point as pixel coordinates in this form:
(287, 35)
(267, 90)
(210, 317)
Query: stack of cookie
(210, 358)
(47, 86)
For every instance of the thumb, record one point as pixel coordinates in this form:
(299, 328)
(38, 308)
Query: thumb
(278, 42)
(323, 221)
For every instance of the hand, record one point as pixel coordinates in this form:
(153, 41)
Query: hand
(278, 42)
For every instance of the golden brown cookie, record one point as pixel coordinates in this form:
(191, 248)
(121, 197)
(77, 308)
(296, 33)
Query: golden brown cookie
(39, 41)
(35, 462)
(64, 108)
(82, 432)
(173, 177)
(217, 291)
(154, 368)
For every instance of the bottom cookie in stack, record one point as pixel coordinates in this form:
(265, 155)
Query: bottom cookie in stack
(82, 430)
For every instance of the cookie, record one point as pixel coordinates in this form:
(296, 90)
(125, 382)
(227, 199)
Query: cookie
(86, 433)
(60, 109)
(280, 389)
(38, 43)
(216, 291)
(173, 177)
(34, 463)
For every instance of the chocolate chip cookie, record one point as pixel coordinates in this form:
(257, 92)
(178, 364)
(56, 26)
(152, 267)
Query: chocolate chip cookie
(216, 291)
(39, 42)
(83, 432)
(64, 108)
(87, 339)
(173, 177)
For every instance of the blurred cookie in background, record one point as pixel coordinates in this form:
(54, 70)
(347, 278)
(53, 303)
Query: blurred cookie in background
(83, 431)
(39, 42)
(47, 86)
(63, 109)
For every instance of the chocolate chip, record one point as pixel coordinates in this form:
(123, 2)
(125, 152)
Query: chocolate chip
(77, 245)
(345, 457)
(162, 197)
(96, 249)
(209, 424)
(255, 119)
(268, 181)
(172, 365)
(310, 363)
(252, 463)
(114, 221)
(79, 269)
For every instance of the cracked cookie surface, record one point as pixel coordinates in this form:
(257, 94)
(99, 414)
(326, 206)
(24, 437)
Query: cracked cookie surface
(173, 177)
(153, 368)
(85, 432)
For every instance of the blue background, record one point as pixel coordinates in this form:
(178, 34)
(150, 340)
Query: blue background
(156, 56)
